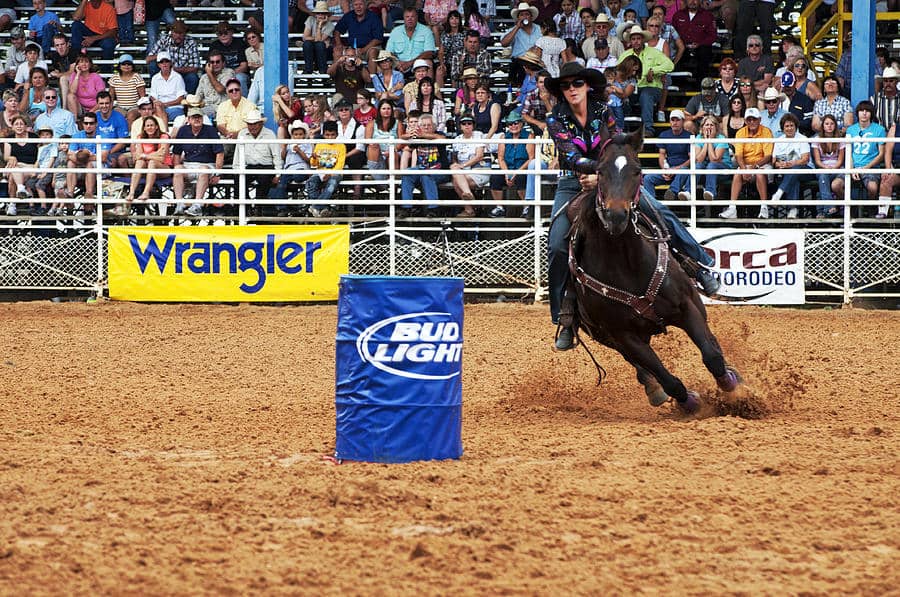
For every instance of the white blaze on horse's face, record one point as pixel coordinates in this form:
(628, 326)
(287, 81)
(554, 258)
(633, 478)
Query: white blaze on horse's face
(621, 162)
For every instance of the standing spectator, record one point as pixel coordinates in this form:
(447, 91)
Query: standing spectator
(84, 85)
(346, 73)
(790, 156)
(182, 51)
(363, 29)
(522, 37)
(317, 39)
(167, 88)
(235, 52)
(414, 41)
(751, 13)
(751, 156)
(672, 156)
(43, 24)
(94, 23)
(59, 119)
(465, 157)
(707, 103)
(260, 156)
(655, 66)
(127, 87)
(547, 9)
(451, 41)
(472, 56)
(551, 47)
(797, 104)
(698, 31)
(205, 153)
(424, 157)
(62, 62)
(156, 12)
(756, 65)
(211, 89)
(832, 103)
(125, 20)
(387, 81)
(772, 113)
(568, 23)
(866, 155)
(828, 153)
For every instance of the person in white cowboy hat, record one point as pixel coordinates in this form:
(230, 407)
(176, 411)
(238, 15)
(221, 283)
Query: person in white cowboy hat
(603, 29)
(521, 37)
(318, 39)
(414, 41)
(771, 115)
(887, 101)
(384, 77)
(655, 66)
(260, 156)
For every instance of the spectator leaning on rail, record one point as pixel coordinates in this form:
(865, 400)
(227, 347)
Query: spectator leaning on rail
(414, 41)
(94, 23)
(866, 155)
(206, 153)
(182, 50)
(655, 66)
(751, 156)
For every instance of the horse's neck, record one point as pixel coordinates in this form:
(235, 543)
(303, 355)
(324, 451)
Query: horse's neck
(625, 255)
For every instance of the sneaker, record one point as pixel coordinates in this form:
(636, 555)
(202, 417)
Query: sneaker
(326, 212)
(318, 212)
(709, 283)
(776, 196)
(526, 212)
(51, 211)
(880, 216)
(707, 196)
(763, 212)
(498, 212)
(729, 213)
(179, 209)
(195, 211)
(669, 196)
(684, 196)
(566, 339)
(792, 213)
(22, 194)
(11, 209)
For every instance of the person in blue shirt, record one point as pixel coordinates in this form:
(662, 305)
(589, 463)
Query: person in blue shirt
(43, 24)
(363, 29)
(414, 41)
(672, 157)
(867, 154)
(111, 124)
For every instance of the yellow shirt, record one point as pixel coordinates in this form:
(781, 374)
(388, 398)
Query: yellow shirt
(753, 153)
(232, 117)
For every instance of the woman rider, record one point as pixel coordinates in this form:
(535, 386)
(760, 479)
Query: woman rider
(579, 124)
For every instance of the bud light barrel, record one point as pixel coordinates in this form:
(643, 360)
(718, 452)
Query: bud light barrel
(398, 372)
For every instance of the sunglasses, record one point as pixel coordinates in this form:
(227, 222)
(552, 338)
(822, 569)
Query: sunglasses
(215, 62)
(803, 66)
(234, 90)
(91, 123)
(745, 84)
(775, 101)
(754, 45)
(49, 97)
(577, 84)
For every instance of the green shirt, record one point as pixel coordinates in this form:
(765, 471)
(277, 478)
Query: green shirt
(651, 59)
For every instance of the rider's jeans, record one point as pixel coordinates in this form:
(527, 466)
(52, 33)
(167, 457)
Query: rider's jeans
(558, 243)
(681, 239)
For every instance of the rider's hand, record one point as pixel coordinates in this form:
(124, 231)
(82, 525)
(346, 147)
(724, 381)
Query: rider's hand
(588, 181)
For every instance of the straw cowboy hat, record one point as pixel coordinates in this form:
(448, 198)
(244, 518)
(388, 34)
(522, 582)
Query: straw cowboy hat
(192, 101)
(603, 18)
(386, 55)
(514, 13)
(531, 57)
(628, 29)
(470, 73)
(321, 8)
(574, 70)
(253, 116)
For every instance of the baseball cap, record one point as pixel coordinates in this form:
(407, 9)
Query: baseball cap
(16, 33)
(787, 79)
(163, 56)
(126, 58)
(601, 43)
(144, 100)
(708, 83)
(677, 114)
(194, 112)
(751, 113)
(343, 103)
(467, 118)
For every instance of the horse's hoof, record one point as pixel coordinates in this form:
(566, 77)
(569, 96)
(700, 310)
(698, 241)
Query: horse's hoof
(658, 397)
(729, 380)
(691, 404)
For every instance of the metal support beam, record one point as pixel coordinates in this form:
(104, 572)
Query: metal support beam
(275, 58)
(863, 48)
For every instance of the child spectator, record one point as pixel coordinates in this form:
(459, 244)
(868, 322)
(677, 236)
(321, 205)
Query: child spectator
(60, 190)
(37, 182)
(43, 24)
(296, 157)
(328, 157)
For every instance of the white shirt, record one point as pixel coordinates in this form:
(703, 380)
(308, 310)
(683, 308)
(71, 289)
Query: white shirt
(23, 70)
(166, 90)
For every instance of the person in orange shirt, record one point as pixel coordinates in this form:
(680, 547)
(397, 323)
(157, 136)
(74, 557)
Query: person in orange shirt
(95, 23)
(751, 156)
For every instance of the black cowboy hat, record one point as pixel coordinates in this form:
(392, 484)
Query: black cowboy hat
(574, 70)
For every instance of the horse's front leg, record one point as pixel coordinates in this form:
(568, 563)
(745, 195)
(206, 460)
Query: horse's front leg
(698, 330)
(655, 393)
(638, 352)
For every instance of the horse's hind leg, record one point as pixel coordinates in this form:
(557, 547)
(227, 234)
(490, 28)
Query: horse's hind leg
(655, 393)
(697, 328)
(639, 353)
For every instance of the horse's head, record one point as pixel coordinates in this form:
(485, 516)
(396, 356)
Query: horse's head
(619, 181)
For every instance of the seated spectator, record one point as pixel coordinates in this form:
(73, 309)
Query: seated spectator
(259, 156)
(773, 112)
(127, 87)
(136, 128)
(672, 156)
(707, 103)
(751, 156)
(255, 50)
(511, 156)
(616, 13)
(364, 30)
(424, 157)
(602, 59)
(384, 126)
(318, 112)
(890, 180)
(465, 157)
(59, 208)
(234, 50)
(472, 56)
(800, 68)
(532, 64)
(327, 157)
(727, 84)
(189, 101)
(32, 60)
(296, 157)
(797, 104)
(568, 23)
(887, 100)
(748, 91)
(33, 98)
(156, 12)
(673, 48)
(486, 111)
(82, 154)
(697, 28)
(425, 102)
(538, 103)
(832, 103)
(10, 112)
(346, 72)
(8, 16)
(828, 152)
(148, 153)
(38, 183)
(206, 153)
(182, 51)
(866, 155)
(655, 66)
(15, 55)
(734, 120)
(790, 156)
(94, 23)
(387, 81)
(713, 154)
(412, 42)
(477, 16)
(167, 88)
(211, 89)
(756, 65)
(421, 69)
(19, 154)
(231, 114)
(464, 98)
(317, 39)
(350, 130)
(60, 120)
(365, 112)
(450, 37)
(62, 62)
(602, 25)
(286, 110)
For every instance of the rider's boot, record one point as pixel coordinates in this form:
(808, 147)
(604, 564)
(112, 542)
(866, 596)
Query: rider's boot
(709, 283)
(565, 339)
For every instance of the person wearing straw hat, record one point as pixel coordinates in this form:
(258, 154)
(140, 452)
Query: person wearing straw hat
(318, 39)
(532, 64)
(260, 156)
(655, 66)
(602, 30)
(384, 77)
(521, 38)
(578, 125)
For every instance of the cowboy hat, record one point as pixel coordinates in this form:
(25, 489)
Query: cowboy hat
(386, 55)
(193, 101)
(629, 29)
(574, 70)
(603, 18)
(889, 73)
(514, 13)
(321, 8)
(253, 116)
(531, 57)
(772, 94)
(470, 73)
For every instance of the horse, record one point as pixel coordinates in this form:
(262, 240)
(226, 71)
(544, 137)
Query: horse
(627, 288)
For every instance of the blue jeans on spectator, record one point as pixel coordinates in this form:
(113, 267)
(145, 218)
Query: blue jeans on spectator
(315, 57)
(790, 184)
(279, 191)
(126, 27)
(711, 180)
(825, 191)
(531, 181)
(79, 32)
(192, 81)
(319, 190)
(649, 98)
(168, 17)
(679, 183)
(428, 182)
(45, 37)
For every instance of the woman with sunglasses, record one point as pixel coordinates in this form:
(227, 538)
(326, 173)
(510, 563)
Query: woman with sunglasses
(802, 83)
(747, 91)
(579, 124)
(727, 84)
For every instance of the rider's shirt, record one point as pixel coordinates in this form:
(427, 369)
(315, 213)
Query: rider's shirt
(579, 147)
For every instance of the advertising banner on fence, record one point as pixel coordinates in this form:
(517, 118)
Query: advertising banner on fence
(763, 267)
(228, 263)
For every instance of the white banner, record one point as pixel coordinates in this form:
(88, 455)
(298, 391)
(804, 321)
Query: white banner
(761, 267)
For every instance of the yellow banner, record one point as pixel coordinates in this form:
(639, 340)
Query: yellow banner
(227, 263)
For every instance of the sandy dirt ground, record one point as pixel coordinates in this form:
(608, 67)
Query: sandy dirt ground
(173, 449)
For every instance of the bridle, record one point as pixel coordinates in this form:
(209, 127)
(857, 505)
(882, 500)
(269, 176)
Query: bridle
(600, 198)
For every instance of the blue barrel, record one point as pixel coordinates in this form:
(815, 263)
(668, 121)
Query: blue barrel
(398, 369)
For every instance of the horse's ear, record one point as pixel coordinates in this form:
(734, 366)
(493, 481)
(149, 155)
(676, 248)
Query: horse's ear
(636, 139)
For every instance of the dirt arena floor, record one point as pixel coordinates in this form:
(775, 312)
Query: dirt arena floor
(163, 449)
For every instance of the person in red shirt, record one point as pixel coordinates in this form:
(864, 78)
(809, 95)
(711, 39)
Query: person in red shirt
(95, 23)
(697, 29)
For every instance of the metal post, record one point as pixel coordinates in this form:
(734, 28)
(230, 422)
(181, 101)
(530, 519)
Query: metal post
(98, 213)
(392, 209)
(536, 222)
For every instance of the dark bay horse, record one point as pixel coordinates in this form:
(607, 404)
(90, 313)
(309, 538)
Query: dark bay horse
(628, 288)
